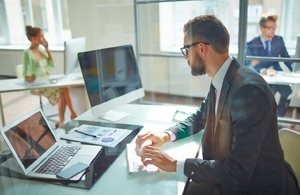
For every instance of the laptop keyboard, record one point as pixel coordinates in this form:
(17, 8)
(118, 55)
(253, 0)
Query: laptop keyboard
(58, 160)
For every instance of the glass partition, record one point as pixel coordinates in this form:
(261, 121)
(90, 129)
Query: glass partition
(159, 27)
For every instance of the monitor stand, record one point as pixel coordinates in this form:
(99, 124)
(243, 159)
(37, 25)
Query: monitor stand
(114, 116)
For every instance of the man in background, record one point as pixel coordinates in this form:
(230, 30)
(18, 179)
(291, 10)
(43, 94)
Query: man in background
(267, 44)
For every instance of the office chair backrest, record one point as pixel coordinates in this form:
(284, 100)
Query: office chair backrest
(19, 71)
(290, 143)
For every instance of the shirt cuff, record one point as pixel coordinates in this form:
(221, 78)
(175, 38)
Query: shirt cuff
(180, 166)
(172, 135)
(262, 70)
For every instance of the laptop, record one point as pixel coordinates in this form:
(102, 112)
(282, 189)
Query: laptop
(33, 143)
(296, 65)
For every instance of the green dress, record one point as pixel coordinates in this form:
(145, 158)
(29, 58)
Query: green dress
(40, 68)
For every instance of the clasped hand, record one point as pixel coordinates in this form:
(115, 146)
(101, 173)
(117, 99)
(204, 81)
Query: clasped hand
(152, 154)
(45, 44)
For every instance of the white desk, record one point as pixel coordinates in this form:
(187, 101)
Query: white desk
(116, 179)
(283, 78)
(10, 85)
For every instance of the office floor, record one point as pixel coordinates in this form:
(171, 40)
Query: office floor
(16, 104)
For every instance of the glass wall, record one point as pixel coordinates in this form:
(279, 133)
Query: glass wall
(287, 23)
(160, 35)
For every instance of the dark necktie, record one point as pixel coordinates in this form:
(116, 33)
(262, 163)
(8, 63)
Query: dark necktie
(212, 102)
(267, 50)
(208, 136)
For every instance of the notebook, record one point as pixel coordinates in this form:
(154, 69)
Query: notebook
(33, 143)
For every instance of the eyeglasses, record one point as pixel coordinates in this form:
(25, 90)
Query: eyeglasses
(270, 28)
(185, 49)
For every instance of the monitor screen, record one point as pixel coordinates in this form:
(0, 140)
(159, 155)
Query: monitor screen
(111, 79)
(30, 138)
(296, 68)
(72, 48)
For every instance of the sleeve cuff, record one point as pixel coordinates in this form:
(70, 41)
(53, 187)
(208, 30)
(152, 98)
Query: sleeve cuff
(180, 166)
(172, 135)
(262, 70)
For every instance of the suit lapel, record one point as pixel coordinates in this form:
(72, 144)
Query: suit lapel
(259, 47)
(225, 89)
(209, 139)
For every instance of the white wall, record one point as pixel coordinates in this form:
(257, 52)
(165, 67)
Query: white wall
(104, 23)
(10, 58)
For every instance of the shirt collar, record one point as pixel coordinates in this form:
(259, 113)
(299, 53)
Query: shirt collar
(217, 80)
(264, 40)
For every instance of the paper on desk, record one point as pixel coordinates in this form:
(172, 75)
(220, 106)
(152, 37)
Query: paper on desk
(37, 82)
(105, 136)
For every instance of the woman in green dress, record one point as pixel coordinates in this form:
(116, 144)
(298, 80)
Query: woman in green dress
(36, 62)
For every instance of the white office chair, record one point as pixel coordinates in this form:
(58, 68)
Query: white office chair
(290, 143)
(19, 74)
(19, 70)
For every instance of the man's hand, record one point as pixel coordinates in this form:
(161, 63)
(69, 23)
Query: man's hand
(156, 139)
(155, 156)
(254, 63)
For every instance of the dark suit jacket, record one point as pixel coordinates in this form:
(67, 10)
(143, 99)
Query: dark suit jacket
(278, 49)
(242, 152)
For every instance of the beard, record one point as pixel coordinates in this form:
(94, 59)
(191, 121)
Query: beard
(198, 68)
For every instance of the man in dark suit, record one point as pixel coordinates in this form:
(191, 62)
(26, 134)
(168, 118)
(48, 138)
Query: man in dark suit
(270, 45)
(241, 152)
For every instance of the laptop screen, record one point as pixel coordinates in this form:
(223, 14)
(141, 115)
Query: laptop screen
(30, 138)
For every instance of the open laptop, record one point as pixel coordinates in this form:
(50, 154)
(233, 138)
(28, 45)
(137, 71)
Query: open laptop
(296, 65)
(296, 68)
(295, 71)
(33, 142)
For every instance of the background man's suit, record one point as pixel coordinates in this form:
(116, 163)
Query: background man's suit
(256, 48)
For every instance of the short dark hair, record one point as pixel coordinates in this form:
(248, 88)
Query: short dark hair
(208, 28)
(32, 31)
(267, 17)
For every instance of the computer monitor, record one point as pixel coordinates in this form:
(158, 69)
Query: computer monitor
(111, 79)
(72, 48)
(296, 68)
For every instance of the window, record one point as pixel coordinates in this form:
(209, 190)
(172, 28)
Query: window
(51, 16)
(173, 15)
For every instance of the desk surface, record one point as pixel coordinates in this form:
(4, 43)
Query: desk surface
(74, 79)
(10, 85)
(116, 179)
(282, 78)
